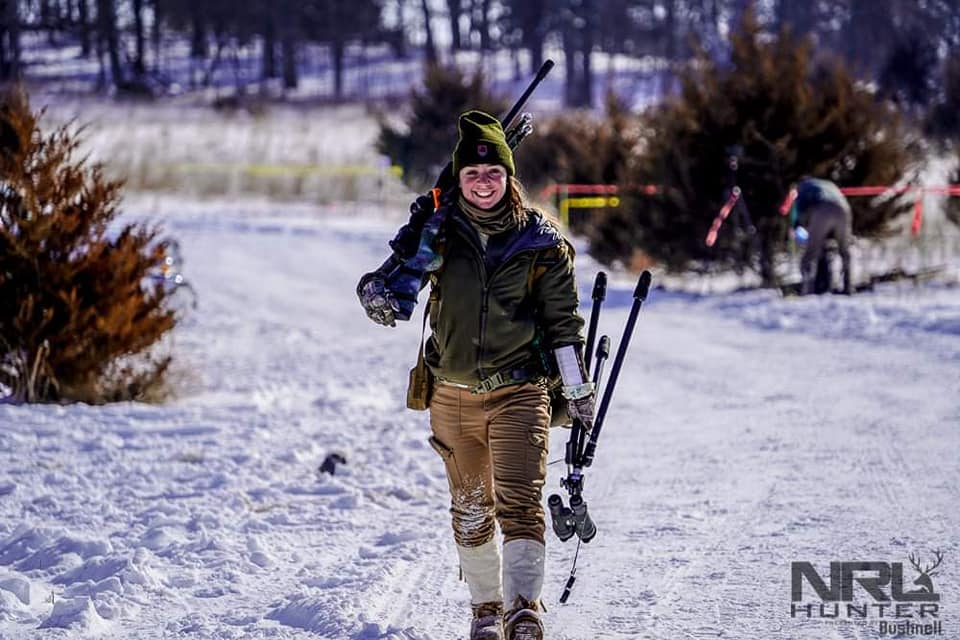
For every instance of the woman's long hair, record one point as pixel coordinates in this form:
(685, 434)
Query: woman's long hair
(521, 207)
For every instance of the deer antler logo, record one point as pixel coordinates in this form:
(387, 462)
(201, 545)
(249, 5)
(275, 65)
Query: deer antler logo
(924, 581)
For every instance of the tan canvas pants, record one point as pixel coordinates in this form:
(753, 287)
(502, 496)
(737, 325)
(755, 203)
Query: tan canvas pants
(494, 446)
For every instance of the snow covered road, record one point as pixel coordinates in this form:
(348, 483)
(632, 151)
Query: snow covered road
(747, 433)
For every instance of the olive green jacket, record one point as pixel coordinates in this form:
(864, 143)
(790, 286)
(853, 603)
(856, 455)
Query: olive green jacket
(488, 303)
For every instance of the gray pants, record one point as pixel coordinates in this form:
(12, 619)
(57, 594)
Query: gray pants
(824, 220)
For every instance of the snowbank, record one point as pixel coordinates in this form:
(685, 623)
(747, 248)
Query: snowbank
(747, 432)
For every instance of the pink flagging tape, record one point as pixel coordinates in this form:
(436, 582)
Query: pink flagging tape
(724, 212)
(916, 224)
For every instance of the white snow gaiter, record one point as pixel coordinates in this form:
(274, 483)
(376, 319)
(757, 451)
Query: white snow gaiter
(523, 562)
(481, 569)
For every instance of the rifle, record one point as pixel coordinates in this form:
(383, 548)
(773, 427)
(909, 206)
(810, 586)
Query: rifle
(413, 255)
(516, 127)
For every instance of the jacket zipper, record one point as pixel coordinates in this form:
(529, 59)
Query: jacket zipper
(484, 308)
(483, 329)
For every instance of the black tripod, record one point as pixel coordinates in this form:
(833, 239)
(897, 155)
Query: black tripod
(735, 203)
(582, 444)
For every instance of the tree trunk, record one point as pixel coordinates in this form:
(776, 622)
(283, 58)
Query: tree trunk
(532, 31)
(288, 53)
(586, 76)
(107, 19)
(431, 51)
(768, 232)
(155, 33)
(570, 64)
(46, 19)
(485, 42)
(337, 49)
(10, 41)
(101, 67)
(199, 48)
(139, 67)
(400, 44)
(577, 42)
(269, 69)
(455, 8)
(83, 10)
(536, 54)
(670, 31)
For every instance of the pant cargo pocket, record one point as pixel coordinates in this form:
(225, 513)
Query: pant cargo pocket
(446, 453)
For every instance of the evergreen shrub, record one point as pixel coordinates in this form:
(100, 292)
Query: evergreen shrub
(80, 306)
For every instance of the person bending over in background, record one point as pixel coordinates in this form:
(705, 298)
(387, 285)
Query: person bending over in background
(823, 211)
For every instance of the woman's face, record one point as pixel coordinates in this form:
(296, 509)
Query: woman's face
(483, 185)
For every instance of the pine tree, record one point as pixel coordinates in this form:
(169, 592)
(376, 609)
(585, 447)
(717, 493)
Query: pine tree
(577, 147)
(786, 118)
(79, 311)
(424, 146)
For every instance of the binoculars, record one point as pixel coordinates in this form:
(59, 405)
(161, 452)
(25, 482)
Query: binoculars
(571, 520)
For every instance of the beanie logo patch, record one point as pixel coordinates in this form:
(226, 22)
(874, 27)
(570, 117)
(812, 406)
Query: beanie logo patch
(482, 150)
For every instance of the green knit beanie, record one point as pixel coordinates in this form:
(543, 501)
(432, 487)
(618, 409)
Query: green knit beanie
(482, 141)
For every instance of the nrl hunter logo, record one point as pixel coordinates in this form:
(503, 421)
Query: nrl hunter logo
(882, 595)
(926, 584)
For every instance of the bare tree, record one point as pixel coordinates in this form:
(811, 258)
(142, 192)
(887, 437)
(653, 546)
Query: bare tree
(83, 17)
(670, 34)
(529, 22)
(482, 23)
(577, 35)
(269, 69)
(199, 47)
(9, 40)
(139, 67)
(431, 48)
(455, 10)
(107, 23)
(155, 33)
(288, 53)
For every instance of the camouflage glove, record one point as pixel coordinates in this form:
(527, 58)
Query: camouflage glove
(580, 402)
(378, 301)
(577, 388)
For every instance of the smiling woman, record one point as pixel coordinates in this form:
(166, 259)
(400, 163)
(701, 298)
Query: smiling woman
(502, 297)
(483, 185)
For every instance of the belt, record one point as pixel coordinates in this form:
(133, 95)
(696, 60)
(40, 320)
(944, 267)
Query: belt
(505, 378)
(500, 379)
(451, 383)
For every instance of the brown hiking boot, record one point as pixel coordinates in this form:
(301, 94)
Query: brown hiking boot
(522, 622)
(486, 624)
